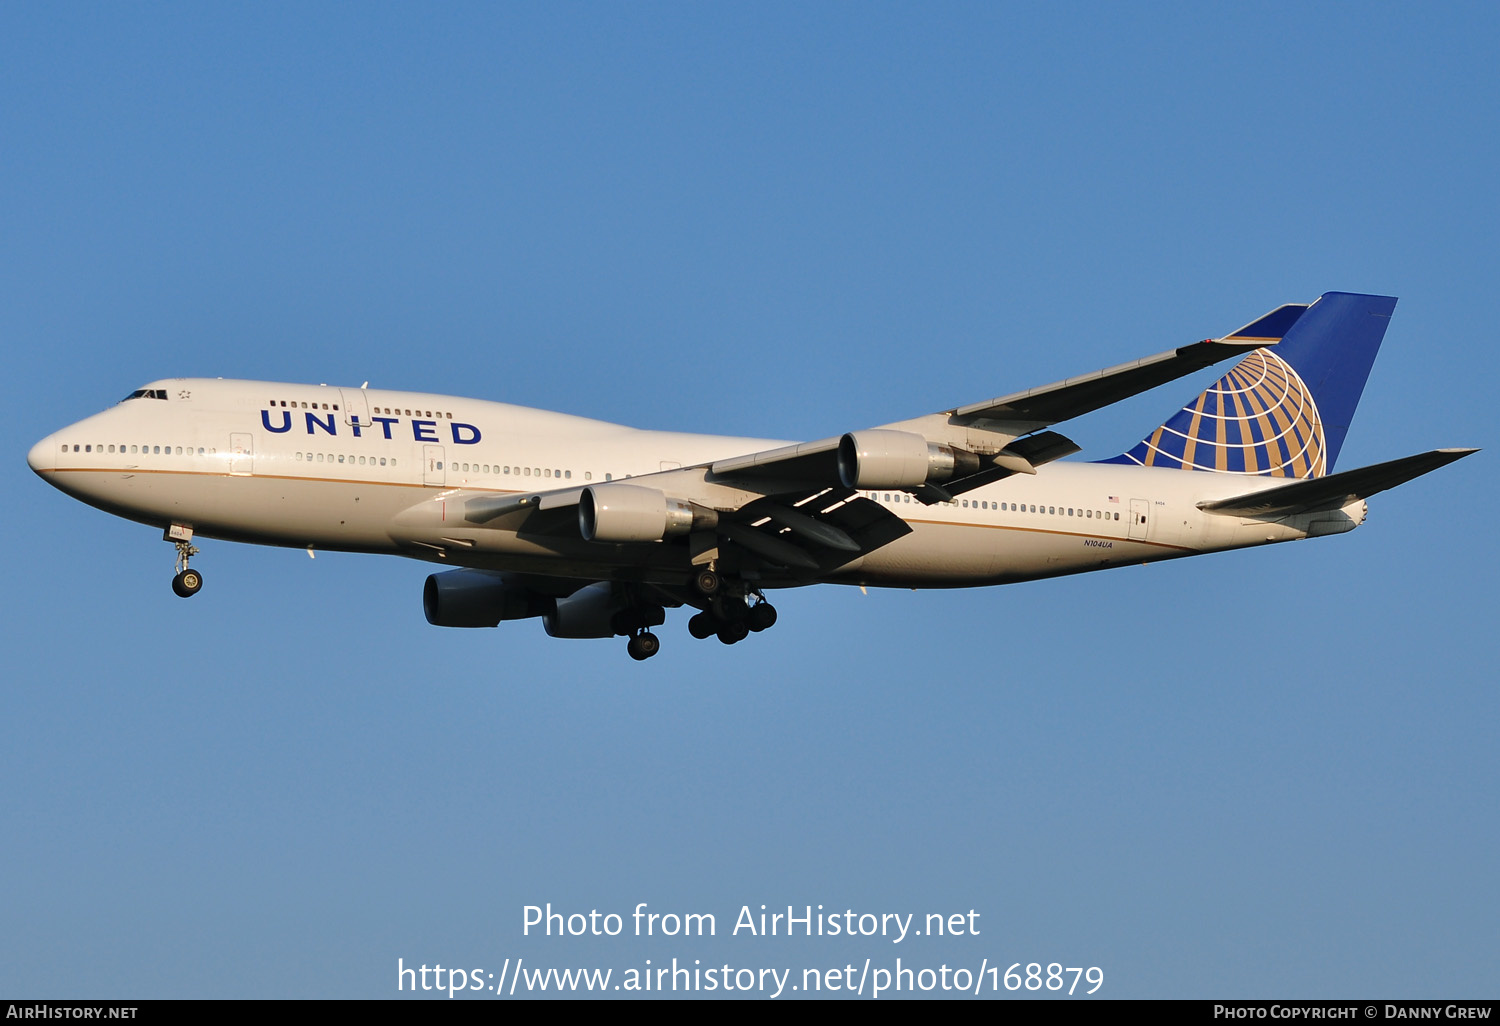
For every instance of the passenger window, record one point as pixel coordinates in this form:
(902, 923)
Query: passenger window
(588, 475)
(567, 475)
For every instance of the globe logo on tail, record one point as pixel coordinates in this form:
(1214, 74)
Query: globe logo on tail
(1260, 418)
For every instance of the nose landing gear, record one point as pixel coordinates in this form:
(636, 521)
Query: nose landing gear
(188, 582)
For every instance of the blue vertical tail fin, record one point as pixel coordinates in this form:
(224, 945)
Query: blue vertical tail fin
(1283, 411)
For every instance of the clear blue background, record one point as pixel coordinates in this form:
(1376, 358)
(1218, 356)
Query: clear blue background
(1265, 773)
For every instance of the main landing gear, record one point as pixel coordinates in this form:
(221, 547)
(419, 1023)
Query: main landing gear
(730, 611)
(731, 618)
(188, 582)
(636, 622)
(643, 645)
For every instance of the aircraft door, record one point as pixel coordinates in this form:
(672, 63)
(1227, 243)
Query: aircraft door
(432, 465)
(1140, 523)
(240, 454)
(356, 407)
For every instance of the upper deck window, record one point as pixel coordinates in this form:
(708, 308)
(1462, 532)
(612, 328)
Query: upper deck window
(146, 393)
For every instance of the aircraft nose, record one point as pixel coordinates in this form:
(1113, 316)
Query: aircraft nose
(43, 455)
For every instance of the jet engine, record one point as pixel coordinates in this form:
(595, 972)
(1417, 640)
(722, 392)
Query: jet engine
(618, 512)
(899, 459)
(478, 598)
(587, 613)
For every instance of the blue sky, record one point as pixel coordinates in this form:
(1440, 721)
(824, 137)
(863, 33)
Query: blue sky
(1265, 773)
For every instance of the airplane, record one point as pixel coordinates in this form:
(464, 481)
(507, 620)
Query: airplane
(597, 529)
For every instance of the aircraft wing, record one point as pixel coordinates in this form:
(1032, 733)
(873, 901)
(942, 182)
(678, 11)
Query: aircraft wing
(1064, 400)
(994, 428)
(800, 508)
(1334, 491)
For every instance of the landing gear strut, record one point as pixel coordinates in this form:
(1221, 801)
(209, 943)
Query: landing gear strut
(188, 582)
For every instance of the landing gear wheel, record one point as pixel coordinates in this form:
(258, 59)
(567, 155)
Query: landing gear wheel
(643, 646)
(703, 625)
(761, 616)
(733, 632)
(729, 608)
(187, 583)
(708, 582)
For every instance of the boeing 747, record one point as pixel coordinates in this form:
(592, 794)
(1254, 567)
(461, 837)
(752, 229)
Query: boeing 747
(599, 529)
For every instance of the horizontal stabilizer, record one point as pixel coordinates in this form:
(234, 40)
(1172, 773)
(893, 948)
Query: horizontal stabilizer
(1334, 491)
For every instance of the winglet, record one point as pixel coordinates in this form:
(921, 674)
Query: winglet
(1270, 328)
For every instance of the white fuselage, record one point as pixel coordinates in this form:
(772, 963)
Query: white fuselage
(332, 468)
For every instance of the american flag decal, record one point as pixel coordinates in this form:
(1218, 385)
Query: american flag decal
(1114, 498)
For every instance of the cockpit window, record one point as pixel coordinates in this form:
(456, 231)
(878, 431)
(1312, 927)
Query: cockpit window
(146, 393)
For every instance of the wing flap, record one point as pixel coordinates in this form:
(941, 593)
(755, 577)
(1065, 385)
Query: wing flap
(1335, 490)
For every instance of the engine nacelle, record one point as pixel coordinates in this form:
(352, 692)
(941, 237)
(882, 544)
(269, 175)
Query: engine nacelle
(617, 512)
(587, 613)
(478, 598)
(899, 459)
